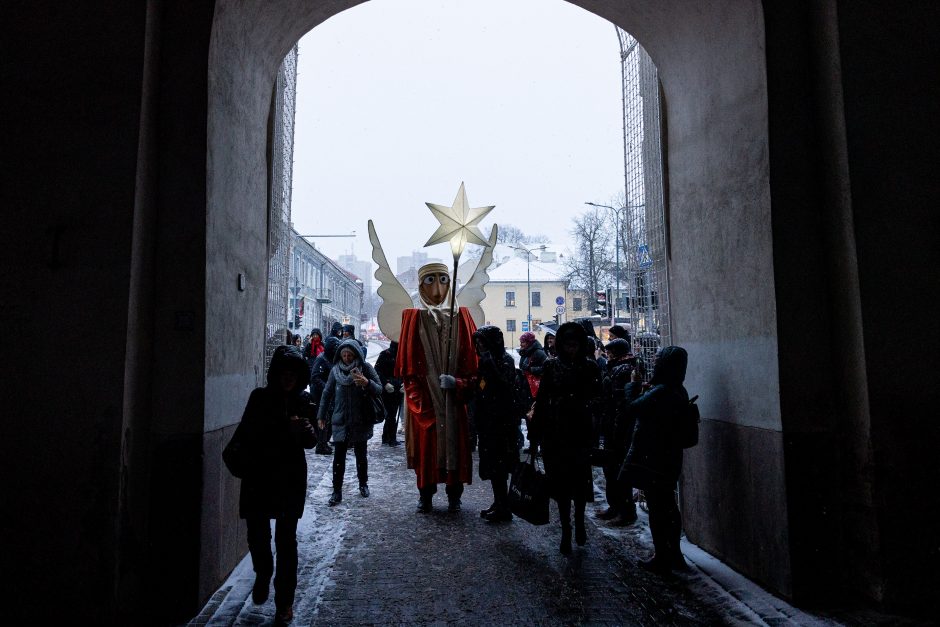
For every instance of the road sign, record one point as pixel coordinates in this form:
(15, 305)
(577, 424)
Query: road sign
(560, 309)
(643, 253)
(525, 326)
(560, 301)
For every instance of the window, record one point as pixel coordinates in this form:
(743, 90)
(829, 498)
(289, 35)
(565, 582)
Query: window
(536, 299)
(510, 301)
(510, 326)
(577, 305)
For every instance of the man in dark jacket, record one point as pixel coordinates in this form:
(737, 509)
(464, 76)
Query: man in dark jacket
(319, 374)
(654, 460)
(391, 393)
(267, 452)
(617, 432)
(336, 330)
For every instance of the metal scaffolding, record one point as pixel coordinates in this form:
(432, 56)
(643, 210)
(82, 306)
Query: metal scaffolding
(279, 233)
(642, 234)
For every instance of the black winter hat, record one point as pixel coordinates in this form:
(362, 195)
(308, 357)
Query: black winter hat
(618, 348)
(330, 345)
(350, 329)
(492, 337)
(670, 366)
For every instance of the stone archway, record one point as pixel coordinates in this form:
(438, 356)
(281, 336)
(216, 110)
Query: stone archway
(713, 72)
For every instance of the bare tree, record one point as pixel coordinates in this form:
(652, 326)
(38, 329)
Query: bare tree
(508, 234)
(589, 266)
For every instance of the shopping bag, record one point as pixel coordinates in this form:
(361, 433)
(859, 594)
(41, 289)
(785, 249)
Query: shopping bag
(528, 493)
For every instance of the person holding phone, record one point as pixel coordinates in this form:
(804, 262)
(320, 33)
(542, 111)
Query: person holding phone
(346, 403)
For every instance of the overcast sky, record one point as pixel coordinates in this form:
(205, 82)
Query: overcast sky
(398, 101)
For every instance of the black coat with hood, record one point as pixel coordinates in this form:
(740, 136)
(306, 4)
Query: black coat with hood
(563, 422)
(274, 481)
(320, 371)
(493, 405)
(655, 456)
(617, 424)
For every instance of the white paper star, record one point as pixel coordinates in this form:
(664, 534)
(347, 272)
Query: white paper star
(459, 224)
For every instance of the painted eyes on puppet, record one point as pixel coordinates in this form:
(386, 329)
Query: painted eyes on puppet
(429, 280)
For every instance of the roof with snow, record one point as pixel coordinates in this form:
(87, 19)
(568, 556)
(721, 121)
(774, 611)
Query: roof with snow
(514, 271)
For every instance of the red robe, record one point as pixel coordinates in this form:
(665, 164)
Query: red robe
(422, 433)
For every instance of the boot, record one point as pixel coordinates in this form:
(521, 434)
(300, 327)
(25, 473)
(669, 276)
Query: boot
(657, 565)
(501, 514)
(609, 514)
(580, 535)
(488, 510)
(259, 592)
(335, 499)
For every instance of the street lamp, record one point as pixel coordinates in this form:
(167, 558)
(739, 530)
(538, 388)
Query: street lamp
(528, 282)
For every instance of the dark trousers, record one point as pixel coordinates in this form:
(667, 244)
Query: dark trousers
(619, 493)
(564, 512)
(285, 542)
(339, 464)
(500, 483)
(392, 407)
(453, 491)
(665, 521)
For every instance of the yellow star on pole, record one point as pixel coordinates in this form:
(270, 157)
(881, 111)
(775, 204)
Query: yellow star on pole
(459, 223)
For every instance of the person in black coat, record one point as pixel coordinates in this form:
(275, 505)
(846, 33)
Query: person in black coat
(654, 459)
(562, 425)
(349, 333)
(319, 374)
(336, 330)
(531, 355)
(268, 452)
(617, 432)
(392, 393)
(496, 418)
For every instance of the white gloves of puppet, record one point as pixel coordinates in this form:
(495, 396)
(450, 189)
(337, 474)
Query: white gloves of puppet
(389, 388)
(448, 382)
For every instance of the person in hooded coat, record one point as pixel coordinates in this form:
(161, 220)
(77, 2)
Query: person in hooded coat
(562, 425)
(654, 460)
(347, 403)
(319, 373)
(272, 436)
(493, 406)
(392, 393)
(550, 343)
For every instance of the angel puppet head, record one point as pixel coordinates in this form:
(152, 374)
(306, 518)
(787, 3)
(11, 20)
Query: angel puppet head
(433, 284)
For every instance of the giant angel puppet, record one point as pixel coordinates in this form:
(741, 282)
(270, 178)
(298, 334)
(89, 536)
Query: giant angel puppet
(436, 359)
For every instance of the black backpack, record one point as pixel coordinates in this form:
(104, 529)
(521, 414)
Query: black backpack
(688, 424)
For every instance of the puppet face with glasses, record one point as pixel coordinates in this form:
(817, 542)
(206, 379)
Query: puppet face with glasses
(434, 288)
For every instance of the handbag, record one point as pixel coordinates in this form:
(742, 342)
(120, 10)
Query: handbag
(235, 454)
(378, 409)
(528, 492)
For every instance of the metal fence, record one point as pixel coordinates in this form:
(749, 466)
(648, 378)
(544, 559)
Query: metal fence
(279, 235)
(642, 234)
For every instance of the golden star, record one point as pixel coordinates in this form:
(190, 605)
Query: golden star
(459, 223)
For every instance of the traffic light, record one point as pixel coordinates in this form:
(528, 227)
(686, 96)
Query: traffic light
(298, 320)
(602, 304)
(610, 306)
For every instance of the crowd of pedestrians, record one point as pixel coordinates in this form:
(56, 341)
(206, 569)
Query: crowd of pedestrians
(584, 404)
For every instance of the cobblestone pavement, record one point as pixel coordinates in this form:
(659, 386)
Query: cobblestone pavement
(375, 561)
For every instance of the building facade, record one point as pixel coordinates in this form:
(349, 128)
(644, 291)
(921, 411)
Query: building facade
(321, 292)
(518, 289)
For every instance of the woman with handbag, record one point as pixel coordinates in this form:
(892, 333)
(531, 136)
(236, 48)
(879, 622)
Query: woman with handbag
(562, 425)
(267, 454)
(347, 402)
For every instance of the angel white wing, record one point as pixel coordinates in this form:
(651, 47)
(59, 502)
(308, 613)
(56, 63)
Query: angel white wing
(395, 298)
(472, 294)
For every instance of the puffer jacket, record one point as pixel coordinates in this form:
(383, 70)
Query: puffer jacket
(532, 359)
(347, 406)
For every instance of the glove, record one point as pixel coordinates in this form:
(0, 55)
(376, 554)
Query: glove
(448, 382)
(389, 388)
